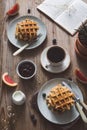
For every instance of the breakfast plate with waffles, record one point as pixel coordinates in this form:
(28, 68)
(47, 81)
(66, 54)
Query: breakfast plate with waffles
(56, 103)
(24, 29)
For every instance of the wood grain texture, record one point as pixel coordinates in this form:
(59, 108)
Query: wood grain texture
(23, 114)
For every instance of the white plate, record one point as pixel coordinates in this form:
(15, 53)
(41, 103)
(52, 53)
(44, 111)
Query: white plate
(56, 69)
(63, 118)
(19, 43)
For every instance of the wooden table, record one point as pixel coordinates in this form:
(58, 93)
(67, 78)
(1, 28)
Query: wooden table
(21, 117)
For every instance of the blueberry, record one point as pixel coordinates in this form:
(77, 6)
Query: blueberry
(29, 11)
(33, 119)
(54, 41)
(44, 95)
(32, 116)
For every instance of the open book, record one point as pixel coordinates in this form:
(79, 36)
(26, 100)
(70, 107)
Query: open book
(69, 14)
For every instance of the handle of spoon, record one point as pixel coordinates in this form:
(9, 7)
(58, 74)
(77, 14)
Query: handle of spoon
(20, 49)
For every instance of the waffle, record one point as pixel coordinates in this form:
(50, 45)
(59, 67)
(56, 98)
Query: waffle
(60, 98)
(26, 30)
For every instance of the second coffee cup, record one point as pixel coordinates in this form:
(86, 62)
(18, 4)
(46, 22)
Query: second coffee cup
(55, 55)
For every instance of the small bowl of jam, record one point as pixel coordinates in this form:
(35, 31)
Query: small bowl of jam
(26, 69)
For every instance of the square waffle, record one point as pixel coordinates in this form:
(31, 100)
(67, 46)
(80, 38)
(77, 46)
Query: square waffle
(26, 30)
(60, 98)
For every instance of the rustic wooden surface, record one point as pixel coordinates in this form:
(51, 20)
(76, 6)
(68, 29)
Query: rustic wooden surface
(22, 119)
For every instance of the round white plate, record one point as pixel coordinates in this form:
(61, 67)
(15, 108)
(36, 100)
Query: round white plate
(19, 43)
(61, 118)
(57, 69)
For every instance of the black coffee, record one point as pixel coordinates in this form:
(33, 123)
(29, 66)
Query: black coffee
(26, 69)
(55, 54)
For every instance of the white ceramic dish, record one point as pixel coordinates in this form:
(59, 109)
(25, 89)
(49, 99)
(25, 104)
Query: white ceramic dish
(26, 67)
(54, 69)
(63, 118)
(18, 43)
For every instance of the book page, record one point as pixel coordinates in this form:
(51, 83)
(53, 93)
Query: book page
(53, 8)
(72, 18)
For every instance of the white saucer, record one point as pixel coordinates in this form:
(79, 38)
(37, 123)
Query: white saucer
(45, 63)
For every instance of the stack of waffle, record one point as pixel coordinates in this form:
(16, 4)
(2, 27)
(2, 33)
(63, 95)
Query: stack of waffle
(60, 98)
(26, 30)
